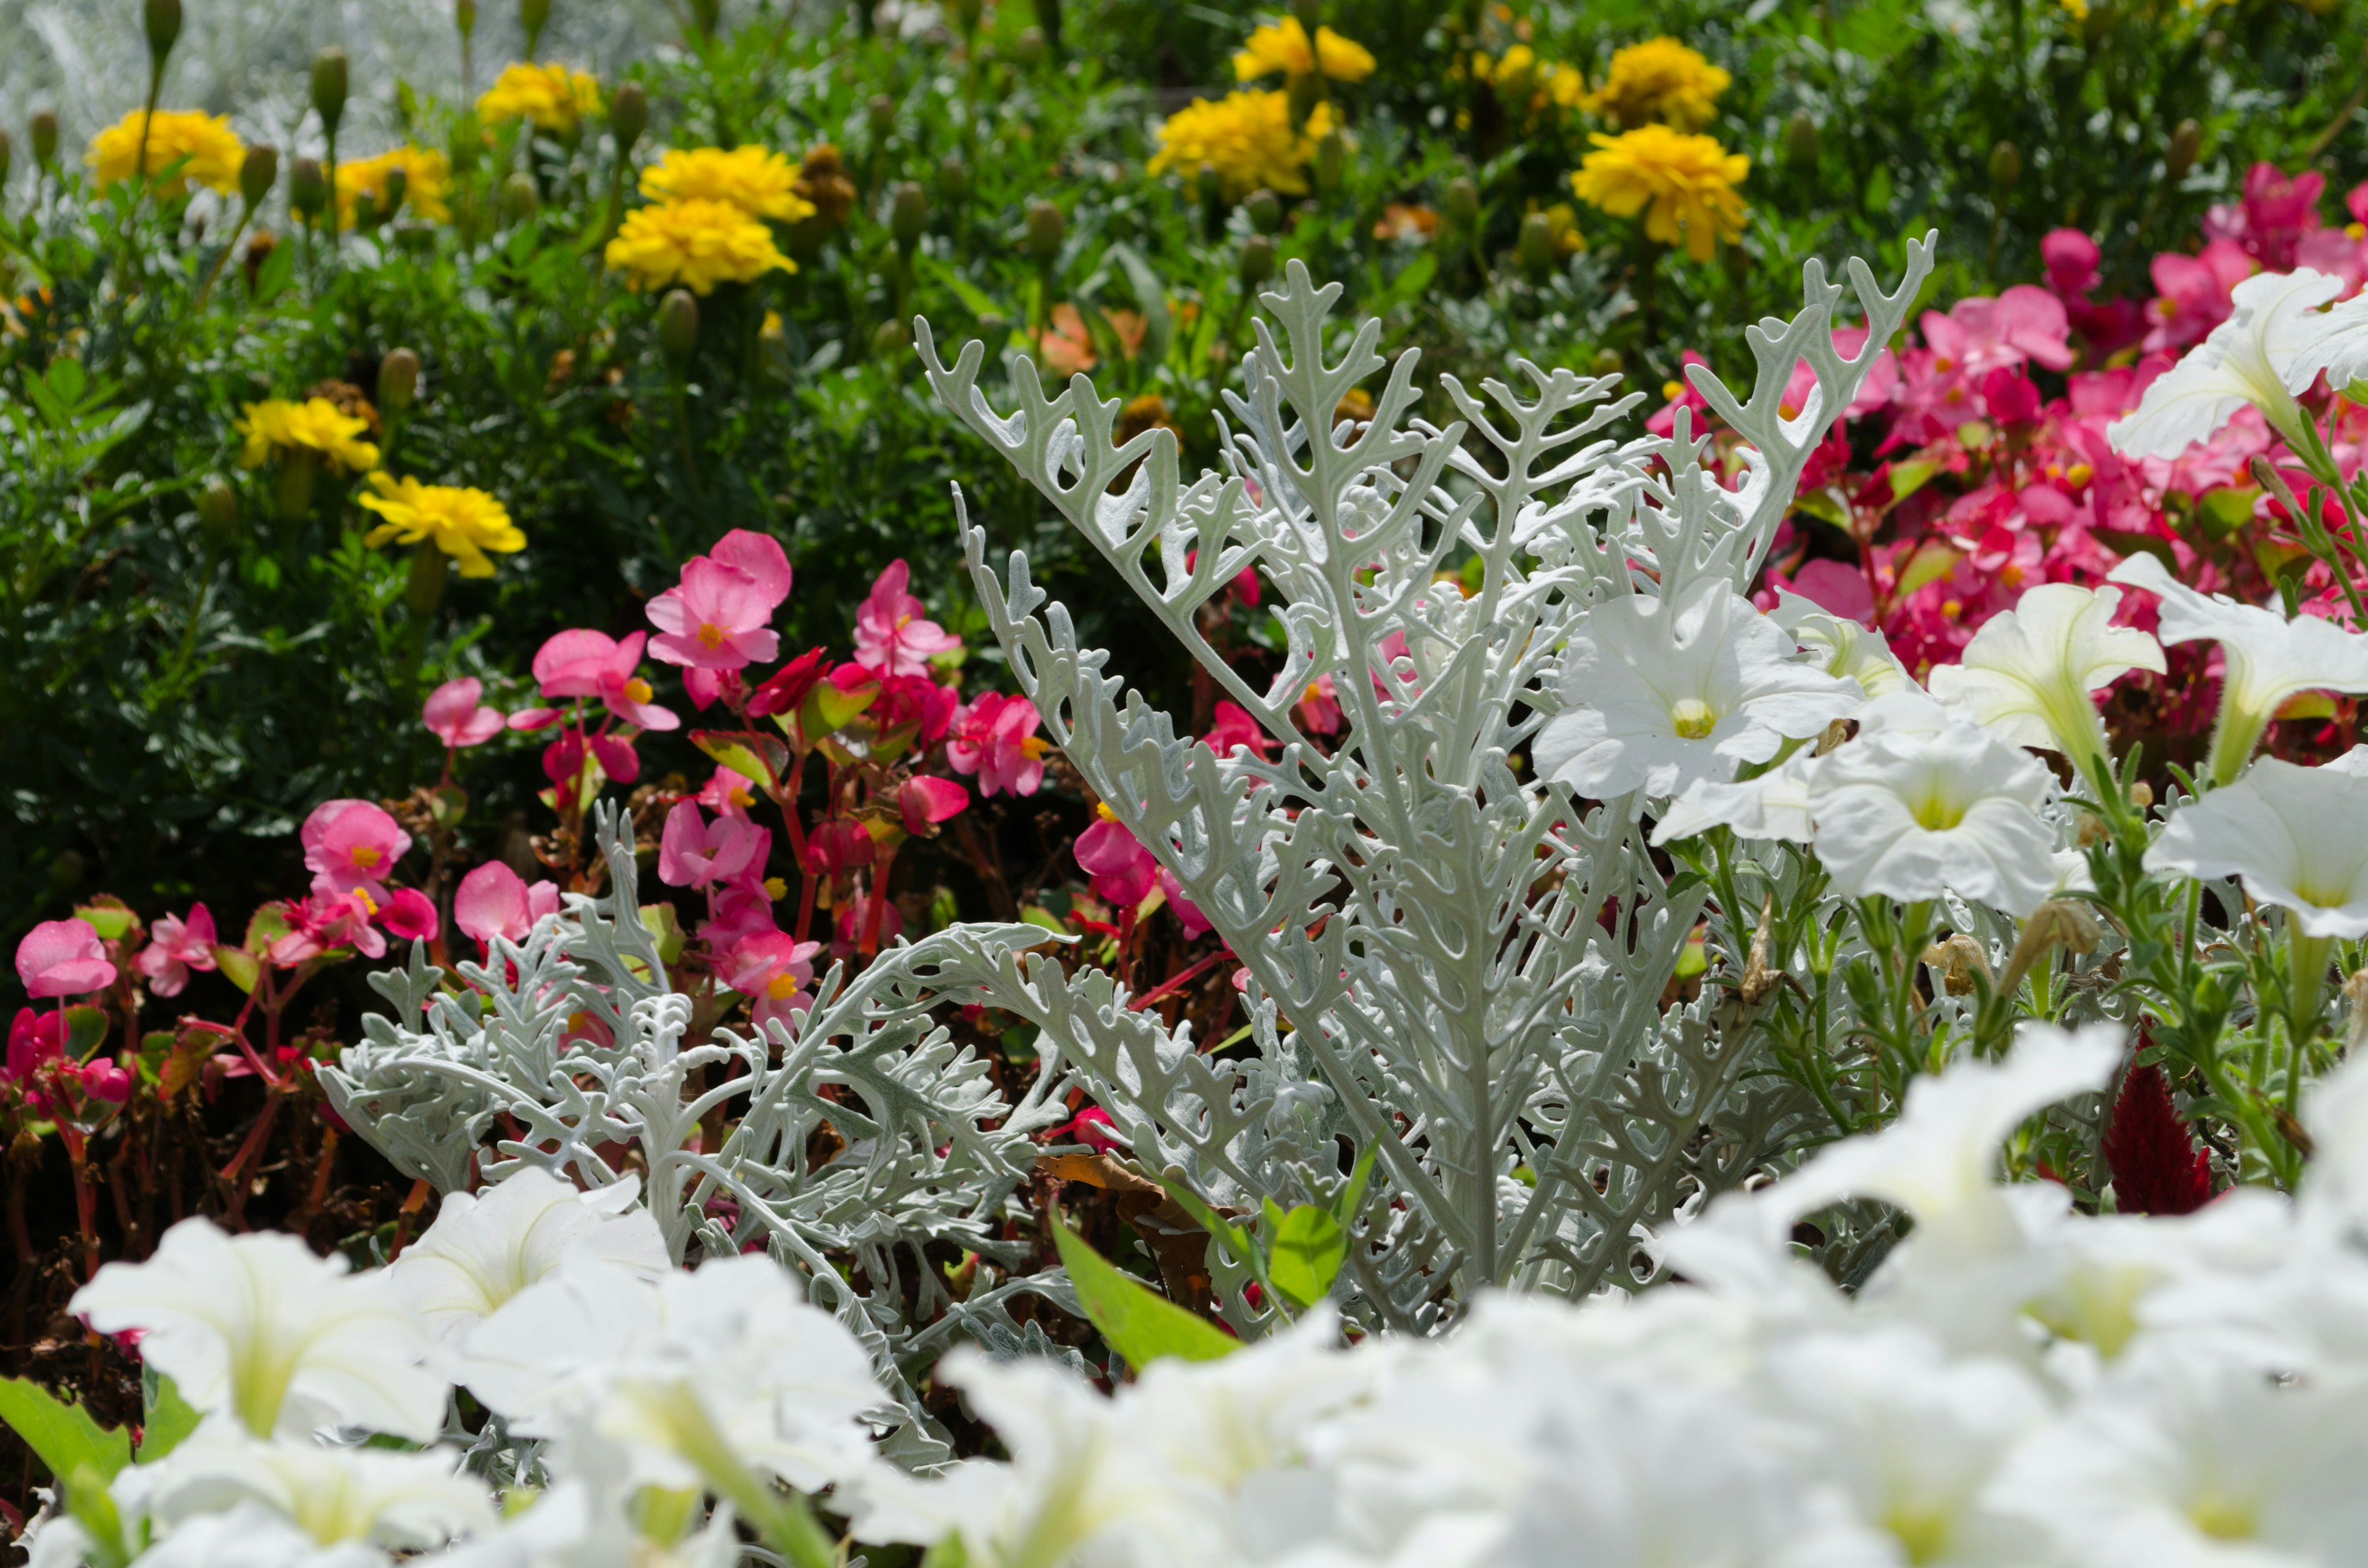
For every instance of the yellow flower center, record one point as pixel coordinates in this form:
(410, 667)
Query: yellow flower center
(712, 636)
(639, 689)
(782, 987)
(1035, 745)
(1692, 718)
(2222, 1518)
(1936, 812)
(366, 858)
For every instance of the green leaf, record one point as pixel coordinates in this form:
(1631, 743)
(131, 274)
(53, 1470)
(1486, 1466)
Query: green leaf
(1150, 297)
(170, 1417)
(1412, 281)
(1139, 1325)
(1910, 476)
(1930, 563)
(239, 967)
(758, 758)
(85, 1031)
(62, 1435)
(106, 916)
(1351, 1197)
(1309, 1247)
(267, 925)
(827, 710)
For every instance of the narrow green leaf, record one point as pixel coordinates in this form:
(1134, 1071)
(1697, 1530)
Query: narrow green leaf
(1140, 1325)
(170, 1417)
(1309, 1247)
(1352, 1197)
(62, 1435)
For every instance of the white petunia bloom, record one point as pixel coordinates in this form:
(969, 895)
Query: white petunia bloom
(2267, 658)
(485, 1248)
(2297, 837)
(1773, 805)
(1846, 648)
(727, 1363)
(337, 1496)
(1915, 816)
(2272, 346)
(259, 1328)
(2029, 673)
(248, 1536)
(579, 1523)
(1656, 695)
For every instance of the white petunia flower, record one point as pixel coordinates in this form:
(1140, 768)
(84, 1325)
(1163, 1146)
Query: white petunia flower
(335, 1495)
(2272, 346)
(580, 1523)
(2267, 658)
(1845, 647)
(1656, 695)
(248, 1536)
(485, 1248)
(1773, 805)
(2297, 837)
(256, 1327)
(1915, 816)
(2028, 673)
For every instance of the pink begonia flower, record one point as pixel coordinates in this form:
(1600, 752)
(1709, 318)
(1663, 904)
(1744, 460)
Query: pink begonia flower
(410, 917)
(855, 920)
(1318, 708)
(1245, 586)
(2272, 217)
(33, 1039)
(583, 663)
(176, 947)
(562, 759)
(323, 923)
(694, 852)
(616, 756)
(2011, 397)
(494, 901)
(744, 908)
(103, 1079)
(1979, 334)
(924, 802)
(1235, 728)
(1836, 589)
(774, 969)
(913, 701)
(1875, 392)
(728, 793)
(714, 619)
(453, 715)
(1091, 1127)
(1122, 872)
(1195, 922)
(2196, 293)
(349, 847)
(786, 688)
(62, 958)
(838, 846)
(996, 739)
(1680, 393)
(891, 635)
(2070, 258)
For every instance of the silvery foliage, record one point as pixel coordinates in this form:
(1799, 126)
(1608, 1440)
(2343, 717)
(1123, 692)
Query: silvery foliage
(1460, 966)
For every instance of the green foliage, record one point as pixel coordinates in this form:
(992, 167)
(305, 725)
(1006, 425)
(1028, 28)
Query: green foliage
(1140, 1325)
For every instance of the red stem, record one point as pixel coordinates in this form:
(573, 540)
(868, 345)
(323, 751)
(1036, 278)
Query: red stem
(1176, 982)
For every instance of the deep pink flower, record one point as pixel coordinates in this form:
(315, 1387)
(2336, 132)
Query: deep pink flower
(2194, 293)
(854, 922)
(694, 852)
(1121, 869)
(410, 917)
(2070, 258)
(1680, 393)
(323, 923)
(582, 663)
(995, 738)
(1837, 588)
(617, 757)
(1319, 708)
(714, 620)
(910, 701)
(838, 846)
(176, 947)
(785, 688)
(453, 716)
(891, 635)
(1195, 922)
(62, 958)
(773, 968)
(2273, 215)
(744, 908)
(924, 802)
(562, 759)
(350, 845)
(1235, 728)
(494, 901)
(105, 1079)
(1979, 334)
(2010, 396)
(33, 1039)
(1091, 1127)
(1875, 392)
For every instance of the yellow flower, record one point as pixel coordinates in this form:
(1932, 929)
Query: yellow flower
(550, 95)
(760, 183)
(696, 242)
(426, 177)
(1247, 139)
(1283, 46)
(1684, 185)
(463, 523)
(1529, 84)
(1659, 80)
(213, 150)
(276, 428)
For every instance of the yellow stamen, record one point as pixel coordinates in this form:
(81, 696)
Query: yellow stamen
(1692, 718)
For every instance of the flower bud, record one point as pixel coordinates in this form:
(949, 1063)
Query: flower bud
(520, 201)
(907, 211)
(1460, 203)
(397, 184)
(2356, 393)
(881, 115)
(8, 156)
(163, 20)
(1309, 14)
(2006, 167)
(2186, 146)
(1045, 228)
(259, 173)
(1801, 138)
(218, 514)
(890, 338)
(629, 115)
(1265, 210)
(1331, 160)
(1258, 260)
(308, 188)
(464, 18)
(1534, 251)
(677, 328)
(329, 87)
(1028, 48)
(398, 380)
(532, 15)
(1606, 362)
(953, 178)
(45, 138)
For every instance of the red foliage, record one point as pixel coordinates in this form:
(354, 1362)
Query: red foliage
(2157, 1167)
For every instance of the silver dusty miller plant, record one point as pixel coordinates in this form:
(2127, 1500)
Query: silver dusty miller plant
(1448, 962)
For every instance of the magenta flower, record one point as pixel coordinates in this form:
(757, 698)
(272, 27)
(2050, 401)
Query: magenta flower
(925, 801)
(2009, 396)
(103, 1079)
(324, 923)
(617, 757)
(494, 901)
(562, 759)
(453, 715)
(62, 958)
(350, 845)
(1979, 334)
(995, 738)
(695, 853)
(1318, 708)
(1195, 922)
(772, 967)
(714, 619)
(891, 634)
(2070, 258)
(1122, 872)
(410, 917)
(2276, 213)
(838, 846)
(744, 908)
(1236, 729)
(175, 948)
(2196, 293)
(910, 702)
(1680, 393)
(582, 663)
(34, 1039)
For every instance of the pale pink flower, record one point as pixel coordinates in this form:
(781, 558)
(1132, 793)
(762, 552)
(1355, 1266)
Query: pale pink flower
(773, 969)
(323, 923)
(350, 845)
(62, 958)
(728, 793)
(694, 852)
(1981, 334)
(714, 619)
(891, 635)
(1121, 869)
(583, 663)
(1318, 708)
(454, 716)
(494, 901)
(176, 947)
(2197, 293)
(995, 738)
(744, 908)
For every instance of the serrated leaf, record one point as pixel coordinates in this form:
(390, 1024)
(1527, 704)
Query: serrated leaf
(62, 1435)
(1307, 1250)
(1140, 1324)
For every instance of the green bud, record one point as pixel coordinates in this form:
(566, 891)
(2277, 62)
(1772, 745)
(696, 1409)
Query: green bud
(2186, 147)
(429, 569)
(629, 115)
(532, 17)
(464, 18)
(881, 113)
(308, 188)
(45, 138)
(1331, 160)
(2356, 393)
(163, 20)
(1460, 203)
(1045, 229)
(1534, 251)
(1258, 260)
(677, 328)
(1028, 48)
(218, 514)
(520, 201)
(1801, 138)
(2006, 167)
(704, 15)
(1265, 210)
(1310, 14)
(1606, 362)
(329, 79)
(464, 145)
(397, 185)
(908, 211)
(890, 338)
(259, 173)
(953, 178)
(398, 380)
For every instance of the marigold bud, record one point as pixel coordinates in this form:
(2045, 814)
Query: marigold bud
(398, 380)
(2186, 146)
(629, 115)
(907, 212)
(329, 77)
(163, 20)
(1606, 362)
(677, 328)
(218, 514)
(1534, 251)
(257, 173)
(45, 138)
(1459, 202)
(308, 188)
(2006, 167)
(464, 18)
(520, 200)
(1045, 229)
(1258, 260)
(532, 17)
(953, 177)
(1028, 48)
(890, 338)
(1331, 160)
(881, 115)
(1801, 138)
(1265, 210)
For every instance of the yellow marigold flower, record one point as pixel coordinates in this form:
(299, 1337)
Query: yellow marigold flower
(1246, 138)
(427, 177)
(1683, 185)
(463, 523)
(1283, 46)
(277, 427)
(759, 182)
(696, 242)
(550, 95)
(212, 148)
(1659, 80)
